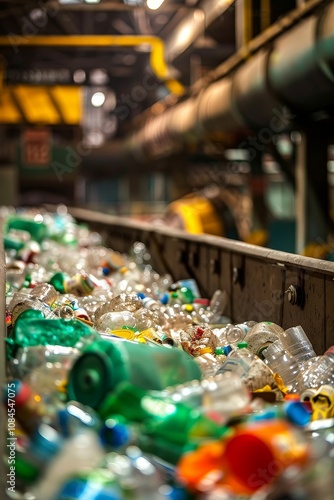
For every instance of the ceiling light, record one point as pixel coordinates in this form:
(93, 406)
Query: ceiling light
(79, 76)
(154, 4)
(98, 99)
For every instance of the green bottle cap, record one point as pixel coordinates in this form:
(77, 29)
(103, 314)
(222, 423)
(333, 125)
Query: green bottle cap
(242, 345)
(174, 295)
(58, 281)
(97, 372)
(219, 350)
(187, 295)
(25, 470)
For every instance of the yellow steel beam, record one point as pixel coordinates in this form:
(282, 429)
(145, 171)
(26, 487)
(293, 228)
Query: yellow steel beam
(41, 105)
(157, 54)
(265, 14)
(248, 21)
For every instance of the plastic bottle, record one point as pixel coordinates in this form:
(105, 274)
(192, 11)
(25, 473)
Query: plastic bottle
(30, 462)
(208, 364)
(222, 395)
(103, 365)
(32, 329)
(262, 335)
(29, 358)
(281, 362)
(28, 303)
(79, 454)
(238, 361)
(166, 426)
(115, 320)
(320, 371)
(35, 227)
(217, 306)
(45, 293)
(298, 344)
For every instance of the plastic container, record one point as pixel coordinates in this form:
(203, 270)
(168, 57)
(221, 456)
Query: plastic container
(281, 362)
(320, 371)
(297, 343)
(103, 365)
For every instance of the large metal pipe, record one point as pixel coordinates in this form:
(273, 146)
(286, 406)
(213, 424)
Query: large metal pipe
(295, 71)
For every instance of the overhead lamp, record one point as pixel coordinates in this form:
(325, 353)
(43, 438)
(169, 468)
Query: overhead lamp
(154, 4)
(92, 1)
(98, 99)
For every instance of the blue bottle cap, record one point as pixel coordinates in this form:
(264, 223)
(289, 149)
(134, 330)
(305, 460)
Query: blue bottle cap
(141, 295)
(297, 413)
(115, 433)
(227, 349)
(82, 488)
(164, 299)
(45, 442)
(106, 271)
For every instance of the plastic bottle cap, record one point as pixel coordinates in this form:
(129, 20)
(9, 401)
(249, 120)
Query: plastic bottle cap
(141, 295)
(174, 295)
(202, 302)
(292, 397)
(164, 299)
(219, 350)
(242, 345)
(297, 413)
(227, 349)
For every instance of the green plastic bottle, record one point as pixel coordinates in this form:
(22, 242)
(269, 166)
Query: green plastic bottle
(105, 364)
(166, 427)
(58, 281)
(32, 329)
(37, 229)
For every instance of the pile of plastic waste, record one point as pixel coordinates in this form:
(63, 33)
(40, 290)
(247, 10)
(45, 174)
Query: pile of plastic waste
(124, 384)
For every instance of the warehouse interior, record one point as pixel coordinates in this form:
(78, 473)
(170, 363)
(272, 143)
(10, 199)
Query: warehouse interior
(214, 116)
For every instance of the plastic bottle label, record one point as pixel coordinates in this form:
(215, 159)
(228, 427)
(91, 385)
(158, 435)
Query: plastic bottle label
(236, 366)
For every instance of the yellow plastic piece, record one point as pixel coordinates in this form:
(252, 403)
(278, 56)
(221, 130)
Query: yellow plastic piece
(198, 215)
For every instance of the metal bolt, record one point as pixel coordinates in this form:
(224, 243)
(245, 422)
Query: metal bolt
(236, 275)
(294, 294)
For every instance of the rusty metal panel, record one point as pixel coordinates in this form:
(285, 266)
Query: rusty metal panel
(214, 268)
(198, 266)
(256, 290)
(310, 314)
(255, 278)
(329, 306)
(225, 278)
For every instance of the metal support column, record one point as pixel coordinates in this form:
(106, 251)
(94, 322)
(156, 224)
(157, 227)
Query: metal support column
(243, 22)
(312, 195)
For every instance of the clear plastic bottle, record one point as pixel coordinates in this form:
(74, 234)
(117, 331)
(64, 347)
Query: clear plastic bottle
(78, 455)
(45, 293)
(208, 364)
(115, 320)
(238, 361)
(321, 370)
(280, 361)
(223, 394)
(262, 335)
(298, 344)
(29, 358)
(217, 306)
